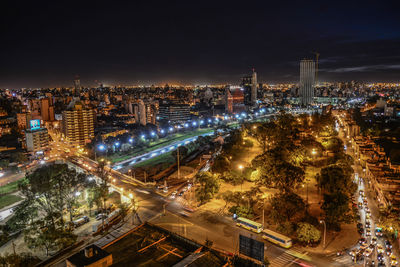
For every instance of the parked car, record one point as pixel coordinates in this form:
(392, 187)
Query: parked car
(101, 216)
(81, 221)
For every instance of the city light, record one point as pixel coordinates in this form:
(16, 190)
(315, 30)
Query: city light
(117, 144)
(143, 136)
(101, 147)
(131, 140)
(194, 123)
(162, 131)
(153, 134)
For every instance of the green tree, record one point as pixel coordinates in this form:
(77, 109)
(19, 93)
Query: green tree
(264, 133)
(41, 236)
(336, 178)
(221, 164)
(124, 208)
(232, 177)
(208, 186)
(226, 196)
(307, 233)
(19, 260)
(287, 207)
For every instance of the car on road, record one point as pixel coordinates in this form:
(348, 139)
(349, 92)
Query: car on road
(393, 260)
(388, 244)
(81, 221)
(361, 230)
(359, 225)
(360, 204)
(368, 232)
(363, 247)
(173, 195)
(367, 225)
(362, 240)
(368, 252)
(380, 257)
(379, 249)
(374, 241)
(389, 252)
(361, 192)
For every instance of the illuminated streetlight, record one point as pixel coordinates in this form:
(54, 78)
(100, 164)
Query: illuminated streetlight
(101, 147)
(131, 140)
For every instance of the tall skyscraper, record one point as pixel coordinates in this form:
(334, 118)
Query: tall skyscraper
(254, 88)
(249, 85)
(78, 124)
(307, 80)
(77, 86)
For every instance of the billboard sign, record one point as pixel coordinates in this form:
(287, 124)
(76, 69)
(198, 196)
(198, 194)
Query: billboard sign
(35, 124)
(251, 248)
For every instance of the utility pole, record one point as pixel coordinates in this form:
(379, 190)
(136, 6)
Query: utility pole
(263, 212)
(179, 174)
(145, 175)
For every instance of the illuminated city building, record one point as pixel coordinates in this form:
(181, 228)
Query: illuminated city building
(78, 124)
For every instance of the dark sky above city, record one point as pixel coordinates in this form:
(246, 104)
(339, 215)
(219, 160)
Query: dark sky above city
(46, 44)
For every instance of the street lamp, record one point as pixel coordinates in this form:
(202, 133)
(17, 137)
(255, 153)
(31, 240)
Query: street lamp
(241, 174)
(322, 221)
(314, 152)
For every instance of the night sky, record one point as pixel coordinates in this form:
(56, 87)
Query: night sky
(45, 44)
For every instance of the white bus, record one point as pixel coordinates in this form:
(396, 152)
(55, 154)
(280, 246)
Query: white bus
(276, 238)
(249, 225)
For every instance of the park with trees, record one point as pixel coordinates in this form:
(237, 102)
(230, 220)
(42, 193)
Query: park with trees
(54, 197)
(289, 173)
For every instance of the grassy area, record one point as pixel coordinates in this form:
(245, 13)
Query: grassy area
(9, 188)
(8, 200)
(159, 143)
(164, 158)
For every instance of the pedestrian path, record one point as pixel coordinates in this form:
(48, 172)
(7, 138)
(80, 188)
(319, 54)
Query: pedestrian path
(286, 258)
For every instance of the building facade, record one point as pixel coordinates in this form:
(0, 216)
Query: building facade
(78, 124)
(36, 140)
(307, 80)
(174, 112)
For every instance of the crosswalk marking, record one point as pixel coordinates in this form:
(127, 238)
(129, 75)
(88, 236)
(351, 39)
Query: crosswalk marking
(286, 259)
(345, 260)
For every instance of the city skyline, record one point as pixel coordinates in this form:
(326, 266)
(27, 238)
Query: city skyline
(47, 45)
